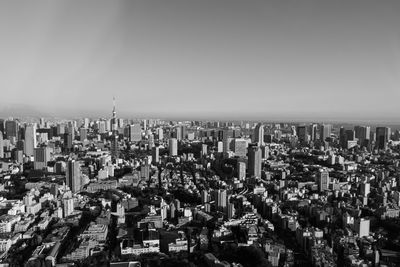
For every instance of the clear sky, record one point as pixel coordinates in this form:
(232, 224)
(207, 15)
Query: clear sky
(203, 59)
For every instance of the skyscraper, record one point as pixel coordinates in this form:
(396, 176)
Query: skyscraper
(73, 175)
(204, 150)
(220, 198)
(241, 170)
(178, 133)
(83, 134)
(240, 147)
(30, 139)
(68, 142)
(135, 133)
(382, 137)
(2, 126)
(155, 154)
(302, 133)
(326, 130)
(362, 226)
(362, 134)
(173, 147)
(160, 133)
(11, 129)
(42, 156)
(1, 146)
(313, 132)
(254, 160)
(259, 134)
(323, 181)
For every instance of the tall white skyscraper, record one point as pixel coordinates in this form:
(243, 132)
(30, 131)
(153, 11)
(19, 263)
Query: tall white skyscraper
(259, 134)
(30, 139)
(173, 147)
(1, 146)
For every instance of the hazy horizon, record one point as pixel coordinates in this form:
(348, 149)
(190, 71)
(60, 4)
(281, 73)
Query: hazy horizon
(269, 60)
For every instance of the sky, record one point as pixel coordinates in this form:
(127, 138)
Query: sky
(314, 60)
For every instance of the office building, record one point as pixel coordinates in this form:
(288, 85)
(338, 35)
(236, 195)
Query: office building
(11, 128)
(259, 134)
(254, 160)
(160, 133)
(42, 157)
(204, 150)
(220, 197)
(83, 134)
(135, 133)
(173, 147)
(68, 206)
(362, 133)
(323, 181)
(382, 137)
(73, 175)
(155, 154)
(1, 146)
(241, 170)
(68, 142)
(325, 133)
(362, 226)
(30, 139)
(302, 133)
(240, 147)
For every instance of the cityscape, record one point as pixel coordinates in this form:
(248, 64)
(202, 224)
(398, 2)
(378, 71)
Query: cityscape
(149, 192)
(212, 133)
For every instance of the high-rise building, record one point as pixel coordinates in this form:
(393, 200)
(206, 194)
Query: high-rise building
(365, 189)
(30, 139)
(160, 133)
(145, 171)
(68, 206)
(86, 122)
(323, 181)
(2, 127)
(313, 132)
(382, 137)
(342, 137)
(302, 133)
(240, 147)
(135, 133)
(259, 134)
(173, 147)
(205, 196)
(254, 160)
(204, 150)
(68, 142)
(326, 130)
(42, 157)
(1, 146)
(230, 210)
(220, 147)
(12, 127)
(178, 133)
(60, 129)
(362, 134)
(220, 197)
(362, 226)
(101, 126)
(155, 154)
(350, 135)
(83, 134)
(73, 175)
(241, 170)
